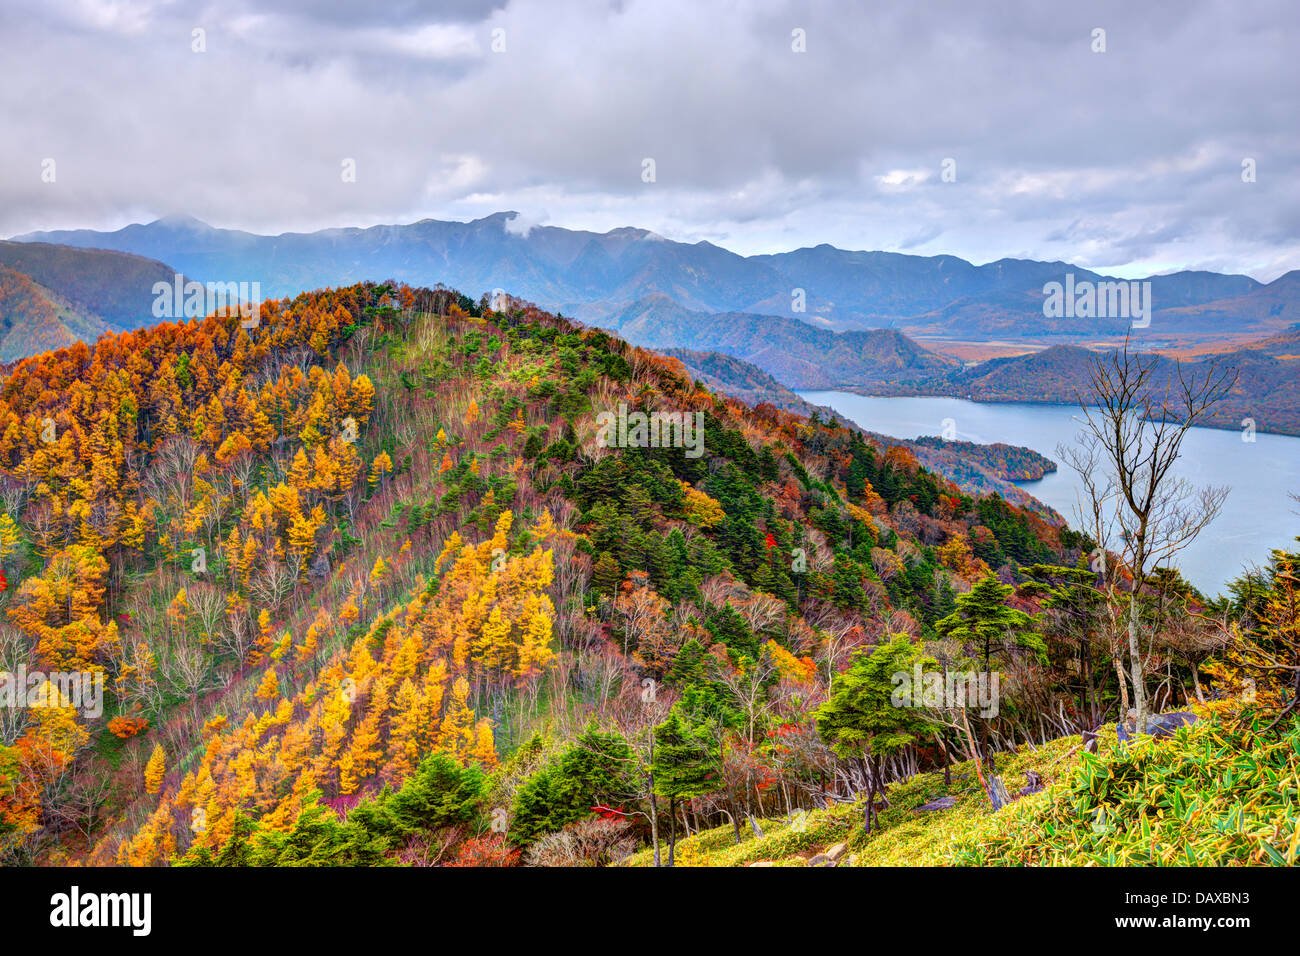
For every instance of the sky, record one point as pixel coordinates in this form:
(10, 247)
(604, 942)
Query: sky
(983, 130)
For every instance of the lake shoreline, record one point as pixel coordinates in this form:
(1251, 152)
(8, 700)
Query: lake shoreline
(1261, 471)
(871, 391)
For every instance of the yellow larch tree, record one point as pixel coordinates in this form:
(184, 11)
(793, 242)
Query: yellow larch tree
(269, 688)
(456, 732)
(364, 753)
(154, 770)
(484, 750)
(380, 468)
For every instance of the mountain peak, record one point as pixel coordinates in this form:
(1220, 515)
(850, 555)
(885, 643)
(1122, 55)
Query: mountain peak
(182, 221)
(496, 218)
(633, 231)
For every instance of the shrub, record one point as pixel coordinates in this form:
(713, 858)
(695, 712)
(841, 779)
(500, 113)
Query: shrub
(595, 842)
(485, 851)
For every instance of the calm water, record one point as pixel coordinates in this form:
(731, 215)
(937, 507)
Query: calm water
(1257, 516)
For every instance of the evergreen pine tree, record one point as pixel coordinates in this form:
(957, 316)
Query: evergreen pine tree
(687, 763)
(860, 721)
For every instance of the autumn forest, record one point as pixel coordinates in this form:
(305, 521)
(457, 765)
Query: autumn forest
(361, 587)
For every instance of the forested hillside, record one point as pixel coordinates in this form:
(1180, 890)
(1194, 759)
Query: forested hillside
(976, 469)
(367, 583)
(34, 318)
(115, 288)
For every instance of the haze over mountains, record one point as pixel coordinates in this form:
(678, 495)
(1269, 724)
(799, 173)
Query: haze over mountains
(596, 275)
(818, 317)
(53, 295)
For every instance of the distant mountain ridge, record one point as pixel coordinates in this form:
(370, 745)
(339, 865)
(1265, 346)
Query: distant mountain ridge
(799, 355)
(52, 296)
(591, 274)
(115, 286)
(1267, 390)
(35, 319)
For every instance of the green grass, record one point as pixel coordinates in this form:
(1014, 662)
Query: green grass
(1210, 796)
(1214, 795)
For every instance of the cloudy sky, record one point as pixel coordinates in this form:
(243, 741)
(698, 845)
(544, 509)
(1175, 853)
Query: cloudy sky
(252, 114)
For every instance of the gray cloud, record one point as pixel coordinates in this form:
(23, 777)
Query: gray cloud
(1128, 160)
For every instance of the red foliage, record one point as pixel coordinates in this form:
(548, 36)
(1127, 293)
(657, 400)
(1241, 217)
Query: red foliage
(127, 727)
(486, 851)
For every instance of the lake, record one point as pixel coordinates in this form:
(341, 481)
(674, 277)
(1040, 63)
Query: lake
(1257, 517)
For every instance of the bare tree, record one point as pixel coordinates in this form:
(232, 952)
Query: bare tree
(81, 805)
(172, 473)
(208, 605)
(188, 673)
(13, 496)
(13, 653)
(270, 587)
(1133, 430)
(1095, 503)
(748, 687)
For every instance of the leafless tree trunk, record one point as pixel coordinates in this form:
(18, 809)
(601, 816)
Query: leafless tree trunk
(1133, 430)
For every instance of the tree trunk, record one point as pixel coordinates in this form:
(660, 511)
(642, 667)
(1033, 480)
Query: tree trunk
(1088, 712)
(869, 812)
(672, 829)
(986, 747)
(1135, 662)
(1117, 660)
(654, 817)
(947, 759)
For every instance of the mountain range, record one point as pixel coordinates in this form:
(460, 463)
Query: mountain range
(593, 275)
(821, 317)
(1266, 391)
